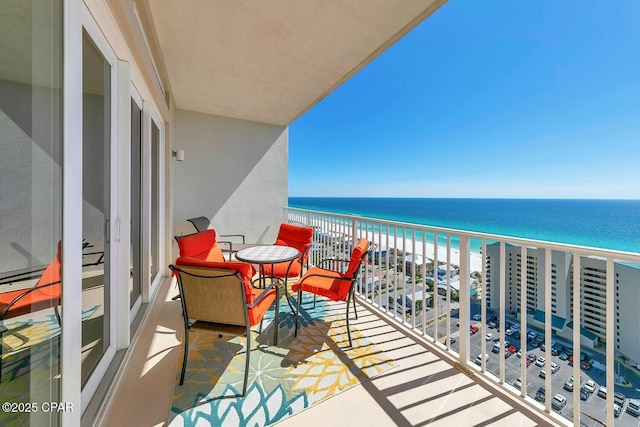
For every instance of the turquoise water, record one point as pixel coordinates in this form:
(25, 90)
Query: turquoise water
(608, 224)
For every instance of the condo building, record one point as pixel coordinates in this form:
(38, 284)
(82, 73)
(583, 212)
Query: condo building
(592, 295)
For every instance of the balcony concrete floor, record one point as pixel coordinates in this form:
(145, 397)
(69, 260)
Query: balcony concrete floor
(423, 389)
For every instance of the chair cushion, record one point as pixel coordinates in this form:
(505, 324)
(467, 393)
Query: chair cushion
(295, 236)
(280, 270)
(246, 270)
(330, 287)
(356, 256)
(257, 313)
(38, 299)
(202, 246)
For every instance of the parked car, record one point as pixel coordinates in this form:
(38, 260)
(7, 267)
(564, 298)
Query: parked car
(492, 324)
(512, 349)
(568, 384)
(633, 408)
(519, 353)
(558, 402)
(540, 361)
(531, 357)
(532, 335)
(619, 398)
(528, 362)
(518, 382)
(590, 386)
(476, 316)
(541, 394)
(563, 356)
(508, 332)
(554, 367)
(542, 374)
(479, 359)
(585, 365)
(473, 329)
(617, 410)
(584, 394)
(488, 337)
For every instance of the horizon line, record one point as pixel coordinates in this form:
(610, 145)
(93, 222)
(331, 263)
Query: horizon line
(469, 198)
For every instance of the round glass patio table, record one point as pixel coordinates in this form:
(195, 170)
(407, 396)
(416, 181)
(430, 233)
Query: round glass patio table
(269, 254)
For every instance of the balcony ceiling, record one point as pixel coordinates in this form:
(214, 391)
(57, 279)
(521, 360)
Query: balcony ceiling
(270, 61)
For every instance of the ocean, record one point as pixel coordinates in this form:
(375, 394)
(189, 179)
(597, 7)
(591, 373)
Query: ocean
(608, 224)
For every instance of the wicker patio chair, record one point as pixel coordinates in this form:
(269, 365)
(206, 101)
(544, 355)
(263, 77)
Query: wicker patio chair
(218, 296)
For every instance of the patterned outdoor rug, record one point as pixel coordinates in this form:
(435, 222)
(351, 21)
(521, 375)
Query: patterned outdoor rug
(283, 380)
(23, 337)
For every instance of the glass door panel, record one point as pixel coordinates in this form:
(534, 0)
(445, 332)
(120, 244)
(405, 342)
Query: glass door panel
(155, 200)
(96, 175)
(135, 281)
(30, 205)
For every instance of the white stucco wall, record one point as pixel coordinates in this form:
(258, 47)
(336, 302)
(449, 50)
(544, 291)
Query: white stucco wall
(235, 173)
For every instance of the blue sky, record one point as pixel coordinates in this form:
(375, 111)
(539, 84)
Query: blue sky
(486, 99)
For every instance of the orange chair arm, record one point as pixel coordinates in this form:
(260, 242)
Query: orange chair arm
(262, 296)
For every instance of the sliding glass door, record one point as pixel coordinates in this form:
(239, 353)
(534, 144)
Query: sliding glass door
(135, 280)
(96, 209)
(31, 168)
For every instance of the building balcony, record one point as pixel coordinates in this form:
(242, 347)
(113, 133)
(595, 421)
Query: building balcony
(443, 380)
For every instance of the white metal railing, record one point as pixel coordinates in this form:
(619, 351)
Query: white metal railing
(406, 261)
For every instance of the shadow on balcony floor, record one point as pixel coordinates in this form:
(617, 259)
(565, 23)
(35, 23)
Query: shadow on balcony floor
(422, 389)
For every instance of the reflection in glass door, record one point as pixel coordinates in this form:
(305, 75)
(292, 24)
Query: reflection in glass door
(96, 176)
(31, 170)
(135, 280)
(155, 200)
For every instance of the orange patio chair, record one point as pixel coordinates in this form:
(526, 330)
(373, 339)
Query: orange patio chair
(218, 296)
(295, 236)
(202, 246)
(332, 283)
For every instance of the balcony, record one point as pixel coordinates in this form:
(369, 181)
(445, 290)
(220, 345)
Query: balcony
(437, 380)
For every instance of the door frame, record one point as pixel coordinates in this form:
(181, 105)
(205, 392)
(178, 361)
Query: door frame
(93, 382)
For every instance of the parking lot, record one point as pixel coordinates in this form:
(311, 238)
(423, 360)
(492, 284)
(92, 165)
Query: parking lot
(592, 408)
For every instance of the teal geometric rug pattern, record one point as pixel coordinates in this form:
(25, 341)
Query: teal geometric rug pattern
(283, 380)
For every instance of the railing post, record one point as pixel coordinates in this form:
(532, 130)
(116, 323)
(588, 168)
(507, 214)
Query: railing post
(465, 300)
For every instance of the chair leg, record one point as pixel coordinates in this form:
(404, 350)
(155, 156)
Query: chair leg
(3, 329)
(354, 306)
(295, 334)
(276, 320)
(186, 354)
(349, 327)
(57, 313)
(246, 367)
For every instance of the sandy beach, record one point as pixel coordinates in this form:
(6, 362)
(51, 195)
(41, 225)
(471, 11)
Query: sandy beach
(475, 257)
